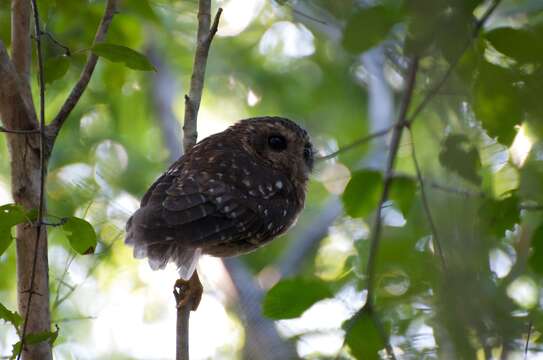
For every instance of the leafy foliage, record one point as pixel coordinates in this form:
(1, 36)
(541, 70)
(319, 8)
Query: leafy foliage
(10, 316)
(363, 192)
(363, 336)
(10, 215)
(81, 235)
(276, 307)
(459, 156)
(123, 54)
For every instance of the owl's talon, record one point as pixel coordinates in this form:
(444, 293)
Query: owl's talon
(188, 291)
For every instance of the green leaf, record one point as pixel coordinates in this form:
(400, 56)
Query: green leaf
(536, 258)
(460, 156)
(363, 193)
(35, 338)
(10, 215)
(496, 102)
(500, 215)
(55, 68)
(123, 54)
(363, 337)
(520, 44)
(402, 192)
(368, 27)
(81, 235)
(289, 298)
(10, 316)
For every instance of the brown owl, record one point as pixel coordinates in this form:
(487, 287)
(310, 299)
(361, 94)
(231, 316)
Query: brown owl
(230, 194)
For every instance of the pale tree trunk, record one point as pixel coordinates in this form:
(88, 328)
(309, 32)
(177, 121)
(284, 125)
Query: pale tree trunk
(17, 115)
(16, 110)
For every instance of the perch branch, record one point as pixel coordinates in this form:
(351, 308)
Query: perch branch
(188, 294)
(192, 100)
(54, 128)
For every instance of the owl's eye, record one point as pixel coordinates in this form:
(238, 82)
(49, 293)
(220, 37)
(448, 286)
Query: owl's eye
(277, 142)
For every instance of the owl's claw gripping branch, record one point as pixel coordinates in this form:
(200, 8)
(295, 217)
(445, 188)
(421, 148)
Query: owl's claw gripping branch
(188, 292)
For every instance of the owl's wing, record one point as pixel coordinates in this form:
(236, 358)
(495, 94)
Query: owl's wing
(180, 215)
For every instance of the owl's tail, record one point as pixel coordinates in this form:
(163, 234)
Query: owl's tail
(160, 252)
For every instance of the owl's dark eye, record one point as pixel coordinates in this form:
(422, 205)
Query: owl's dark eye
(277, 142)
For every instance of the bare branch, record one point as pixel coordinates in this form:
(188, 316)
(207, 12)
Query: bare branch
(389, 172)
(192, 101)
(204, 35)
(54, 128)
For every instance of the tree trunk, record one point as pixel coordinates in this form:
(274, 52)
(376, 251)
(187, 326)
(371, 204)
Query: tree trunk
(25, 182)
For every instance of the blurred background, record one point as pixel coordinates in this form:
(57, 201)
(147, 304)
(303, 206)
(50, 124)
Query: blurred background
(338, 68)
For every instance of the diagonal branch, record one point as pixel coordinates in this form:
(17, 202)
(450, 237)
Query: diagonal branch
(13, 98)
(54, 128)
(426, 205)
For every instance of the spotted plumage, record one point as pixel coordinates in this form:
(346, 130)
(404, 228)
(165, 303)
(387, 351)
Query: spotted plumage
(230, 194)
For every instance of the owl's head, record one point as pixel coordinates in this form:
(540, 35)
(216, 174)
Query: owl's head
(280, 143)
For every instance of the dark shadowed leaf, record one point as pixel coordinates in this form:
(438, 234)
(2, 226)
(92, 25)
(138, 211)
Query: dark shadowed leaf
(10, 215)
(402, 192)
(55, 68)
(500, 215)
(496, 102)
(363, 192)
(461, 157)
(123, 54)
(10, 316)
(368, 27)
(81, 235)
(363, 337)
(289, 298)
(520, 44)
(536, 258)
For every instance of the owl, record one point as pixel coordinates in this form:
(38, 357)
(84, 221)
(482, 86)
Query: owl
(230, 194)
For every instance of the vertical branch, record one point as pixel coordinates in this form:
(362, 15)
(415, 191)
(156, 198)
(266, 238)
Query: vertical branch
(401, 123)
(193, 288)
(192, 100)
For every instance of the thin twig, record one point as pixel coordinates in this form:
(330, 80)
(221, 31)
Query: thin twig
(356, 143)
(54, 128)
(66, 49)
(435, 237)
(23, 132)
(43, 170)
(526, 346)
(437, 87)
(205, 35)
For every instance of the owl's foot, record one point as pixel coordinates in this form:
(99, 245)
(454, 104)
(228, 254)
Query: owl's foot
(188, 292)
